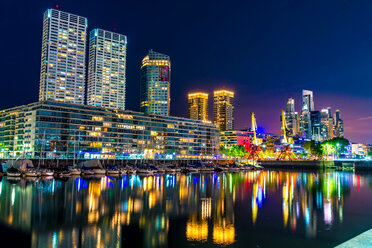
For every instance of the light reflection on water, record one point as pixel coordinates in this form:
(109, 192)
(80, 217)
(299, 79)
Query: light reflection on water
(186, 210)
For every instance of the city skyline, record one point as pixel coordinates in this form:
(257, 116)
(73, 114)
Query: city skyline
(261, 101)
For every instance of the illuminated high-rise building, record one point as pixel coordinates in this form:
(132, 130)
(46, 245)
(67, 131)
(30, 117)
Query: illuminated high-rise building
(223, 110)
(291, 117)
(155, 83)
(338, 125)
(327, 124)
(198, 106)
(305, 117)
(62, 76)
(308, 99)
(106, 69)
(305, 123)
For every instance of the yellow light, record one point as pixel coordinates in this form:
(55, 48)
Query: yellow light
(198, 95)
(224, 92)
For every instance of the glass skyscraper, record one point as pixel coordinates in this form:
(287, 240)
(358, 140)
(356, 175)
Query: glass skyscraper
(223, 110)
(308, 99)
(155, 84)
(291, 117)
(198, 106)
(62, 76)
(106, 69)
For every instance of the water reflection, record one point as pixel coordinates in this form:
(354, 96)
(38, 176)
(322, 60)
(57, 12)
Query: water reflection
(195, 208)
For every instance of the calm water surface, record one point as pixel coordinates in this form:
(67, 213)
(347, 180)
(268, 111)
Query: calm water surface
(249, 209)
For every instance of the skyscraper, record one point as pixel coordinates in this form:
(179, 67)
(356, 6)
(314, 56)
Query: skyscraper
(305, 123)
(338, 125)
(198, 106)
(62, 76)
(155, 83)
(307, 99)
(305, 118)
(316, 125)
(327, 124)
(106, 69)
(291, 117)
(223, 109)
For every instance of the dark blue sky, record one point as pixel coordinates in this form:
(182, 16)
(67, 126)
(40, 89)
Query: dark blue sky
(266, 51)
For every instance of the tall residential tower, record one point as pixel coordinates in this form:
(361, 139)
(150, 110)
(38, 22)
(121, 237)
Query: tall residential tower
(223, 109)
(198, 106)
(62, 76)
(155, 83)
(106, 69)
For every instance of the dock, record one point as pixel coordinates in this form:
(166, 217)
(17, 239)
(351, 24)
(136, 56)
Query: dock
(360, 241)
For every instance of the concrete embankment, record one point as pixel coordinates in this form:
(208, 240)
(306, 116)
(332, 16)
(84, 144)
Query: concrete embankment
(363, 165)
(308, 164)
(55, 163)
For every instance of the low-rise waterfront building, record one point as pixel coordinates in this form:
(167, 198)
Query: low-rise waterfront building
(243, 137)
(50, 129)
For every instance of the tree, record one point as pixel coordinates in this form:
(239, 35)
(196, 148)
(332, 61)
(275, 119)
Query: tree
(336, 145)
(233, 151)
(314, 148)
(369, 153)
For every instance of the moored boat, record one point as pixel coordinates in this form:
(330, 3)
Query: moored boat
(31, 173)
(99, 171)
(113, 172)
(13, 172)
(46, 173)
(74, 171)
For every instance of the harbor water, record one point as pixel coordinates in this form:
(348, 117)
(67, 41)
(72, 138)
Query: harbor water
(267, 208)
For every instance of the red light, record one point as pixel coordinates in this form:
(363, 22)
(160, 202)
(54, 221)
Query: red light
(57, 6)
(114, 29)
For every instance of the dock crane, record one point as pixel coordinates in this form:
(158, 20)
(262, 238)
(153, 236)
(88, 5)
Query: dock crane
(256, 151)
(286, 152)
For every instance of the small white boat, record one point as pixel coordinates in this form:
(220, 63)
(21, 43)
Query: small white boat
(113, 172)
(64, 174)
(160, 170)
(75, 171)
(47, 177)
(46, 173)
(13, 172)
(144, 171)
(31, 173)
(87, 172)
(99, 171)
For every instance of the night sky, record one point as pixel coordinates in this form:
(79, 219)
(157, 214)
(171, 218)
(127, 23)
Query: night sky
(267, 51)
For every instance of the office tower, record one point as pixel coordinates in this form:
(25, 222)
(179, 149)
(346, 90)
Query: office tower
(198, 106)
(223, 110)
(327, 124)
(338, 125)
(155, 83)
(291, 117)
(106, 69)
(305, 123)
(307, 99)
(316, 125)
(62, 76)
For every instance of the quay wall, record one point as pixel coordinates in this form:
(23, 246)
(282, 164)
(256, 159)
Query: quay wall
(60, 163)
(308, 164)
